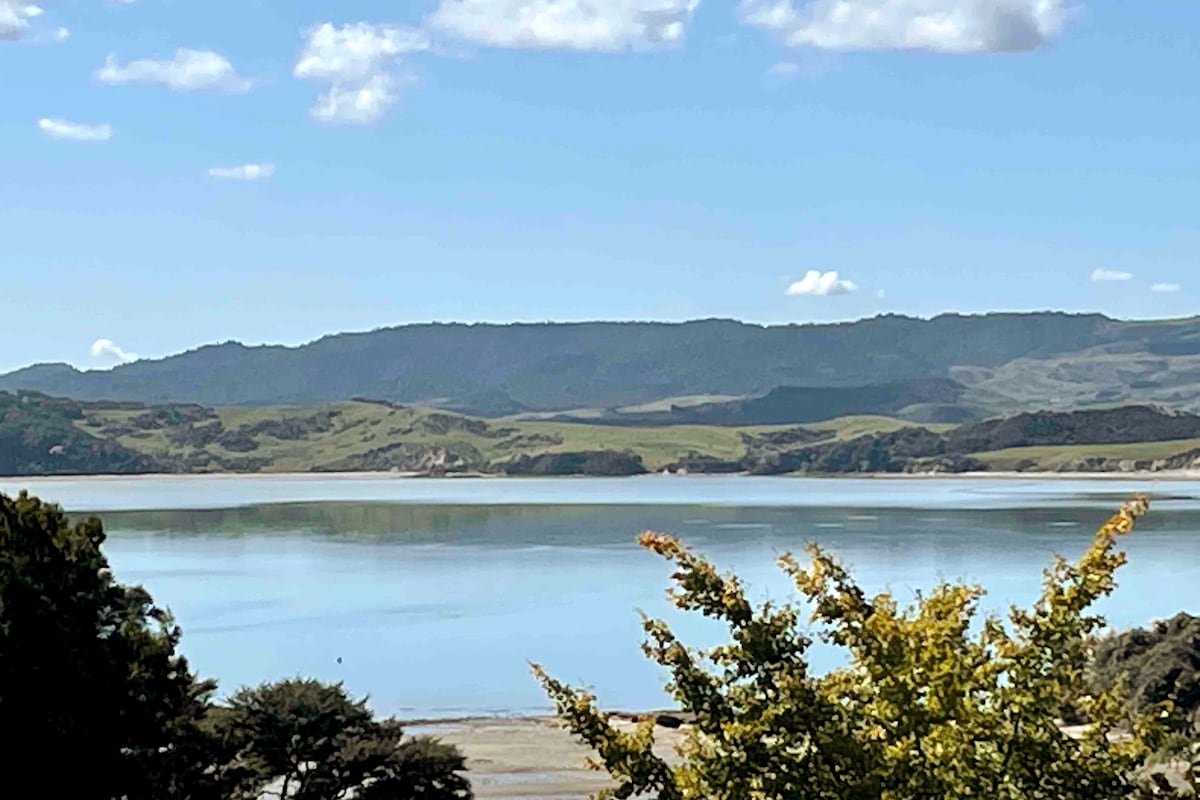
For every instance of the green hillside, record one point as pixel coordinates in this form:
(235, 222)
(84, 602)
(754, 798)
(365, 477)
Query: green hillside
(364, 435)
(950, 368)
(44, 435)
(39, 436)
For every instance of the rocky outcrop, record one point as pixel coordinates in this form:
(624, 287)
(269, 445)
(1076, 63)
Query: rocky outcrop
(292, 429)
(531, 440)
(786, 438)
(437, 424)
(192, 435)
(1127, 425)
(205, 430)
(890, 452)
(410, 457)
(1189, 460)
(589, 462)
(918, 450)
(945, 465)
(705, 465)
(238, 441)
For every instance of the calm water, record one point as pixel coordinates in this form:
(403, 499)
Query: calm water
(435, 593)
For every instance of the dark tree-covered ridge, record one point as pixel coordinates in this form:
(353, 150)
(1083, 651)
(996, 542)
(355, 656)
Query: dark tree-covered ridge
(500, 369)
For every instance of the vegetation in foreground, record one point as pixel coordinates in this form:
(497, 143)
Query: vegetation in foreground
(41, 435)
(932, 704)
(935, 703)
(97, 703)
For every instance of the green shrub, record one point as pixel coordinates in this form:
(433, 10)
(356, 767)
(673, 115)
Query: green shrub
(929, 706)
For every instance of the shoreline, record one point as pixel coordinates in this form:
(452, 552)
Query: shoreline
(536, 758)
(1164, 475)
(531, 758)
(544, 715)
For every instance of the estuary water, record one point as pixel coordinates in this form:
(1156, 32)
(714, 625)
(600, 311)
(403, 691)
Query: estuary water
(431, 596)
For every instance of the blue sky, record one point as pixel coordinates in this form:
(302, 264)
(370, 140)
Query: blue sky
(580, 159)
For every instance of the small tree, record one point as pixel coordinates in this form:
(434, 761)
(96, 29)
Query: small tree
(305, 740)
(928, 707)
(94, 700)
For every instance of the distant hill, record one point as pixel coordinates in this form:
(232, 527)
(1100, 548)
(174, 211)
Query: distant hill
(794, 404)
(41, 435)
(933, 400)
(1002, 362)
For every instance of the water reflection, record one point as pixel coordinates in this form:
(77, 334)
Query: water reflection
(435, 609)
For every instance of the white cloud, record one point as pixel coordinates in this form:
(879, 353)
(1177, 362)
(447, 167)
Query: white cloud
(359, 62)
(355, 53)
(243, 172)
(62, 34)
(944, 26)
(566, 24)
(77, 131)
(821, 284)
(14, 19)
(107, 348)
(187, 71)
(357, 104)
(1101, 275)
(1165, 288)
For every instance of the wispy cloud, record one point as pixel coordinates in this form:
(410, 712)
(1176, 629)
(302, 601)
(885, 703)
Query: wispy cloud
(603, 25)
(358, 64)
(186, 71)
(783, 69)
(108, 349)
(243, 172)
(1165, 288)
(358, 104)
(1101, 275)
(821, 284)
(944, 26)
(75, 131)
(15, 17)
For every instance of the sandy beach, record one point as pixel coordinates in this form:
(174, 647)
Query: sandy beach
(530, 758)
(535, 759)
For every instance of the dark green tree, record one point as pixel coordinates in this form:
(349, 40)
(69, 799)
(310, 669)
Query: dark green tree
(305, 740)
(94, 700)
(96, 703)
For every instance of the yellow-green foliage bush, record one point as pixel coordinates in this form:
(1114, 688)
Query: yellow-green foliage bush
(930, 705)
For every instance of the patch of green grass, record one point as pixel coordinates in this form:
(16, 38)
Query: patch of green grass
(855, 426)
(1054, 456)
(657, 446)
(359, 428)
